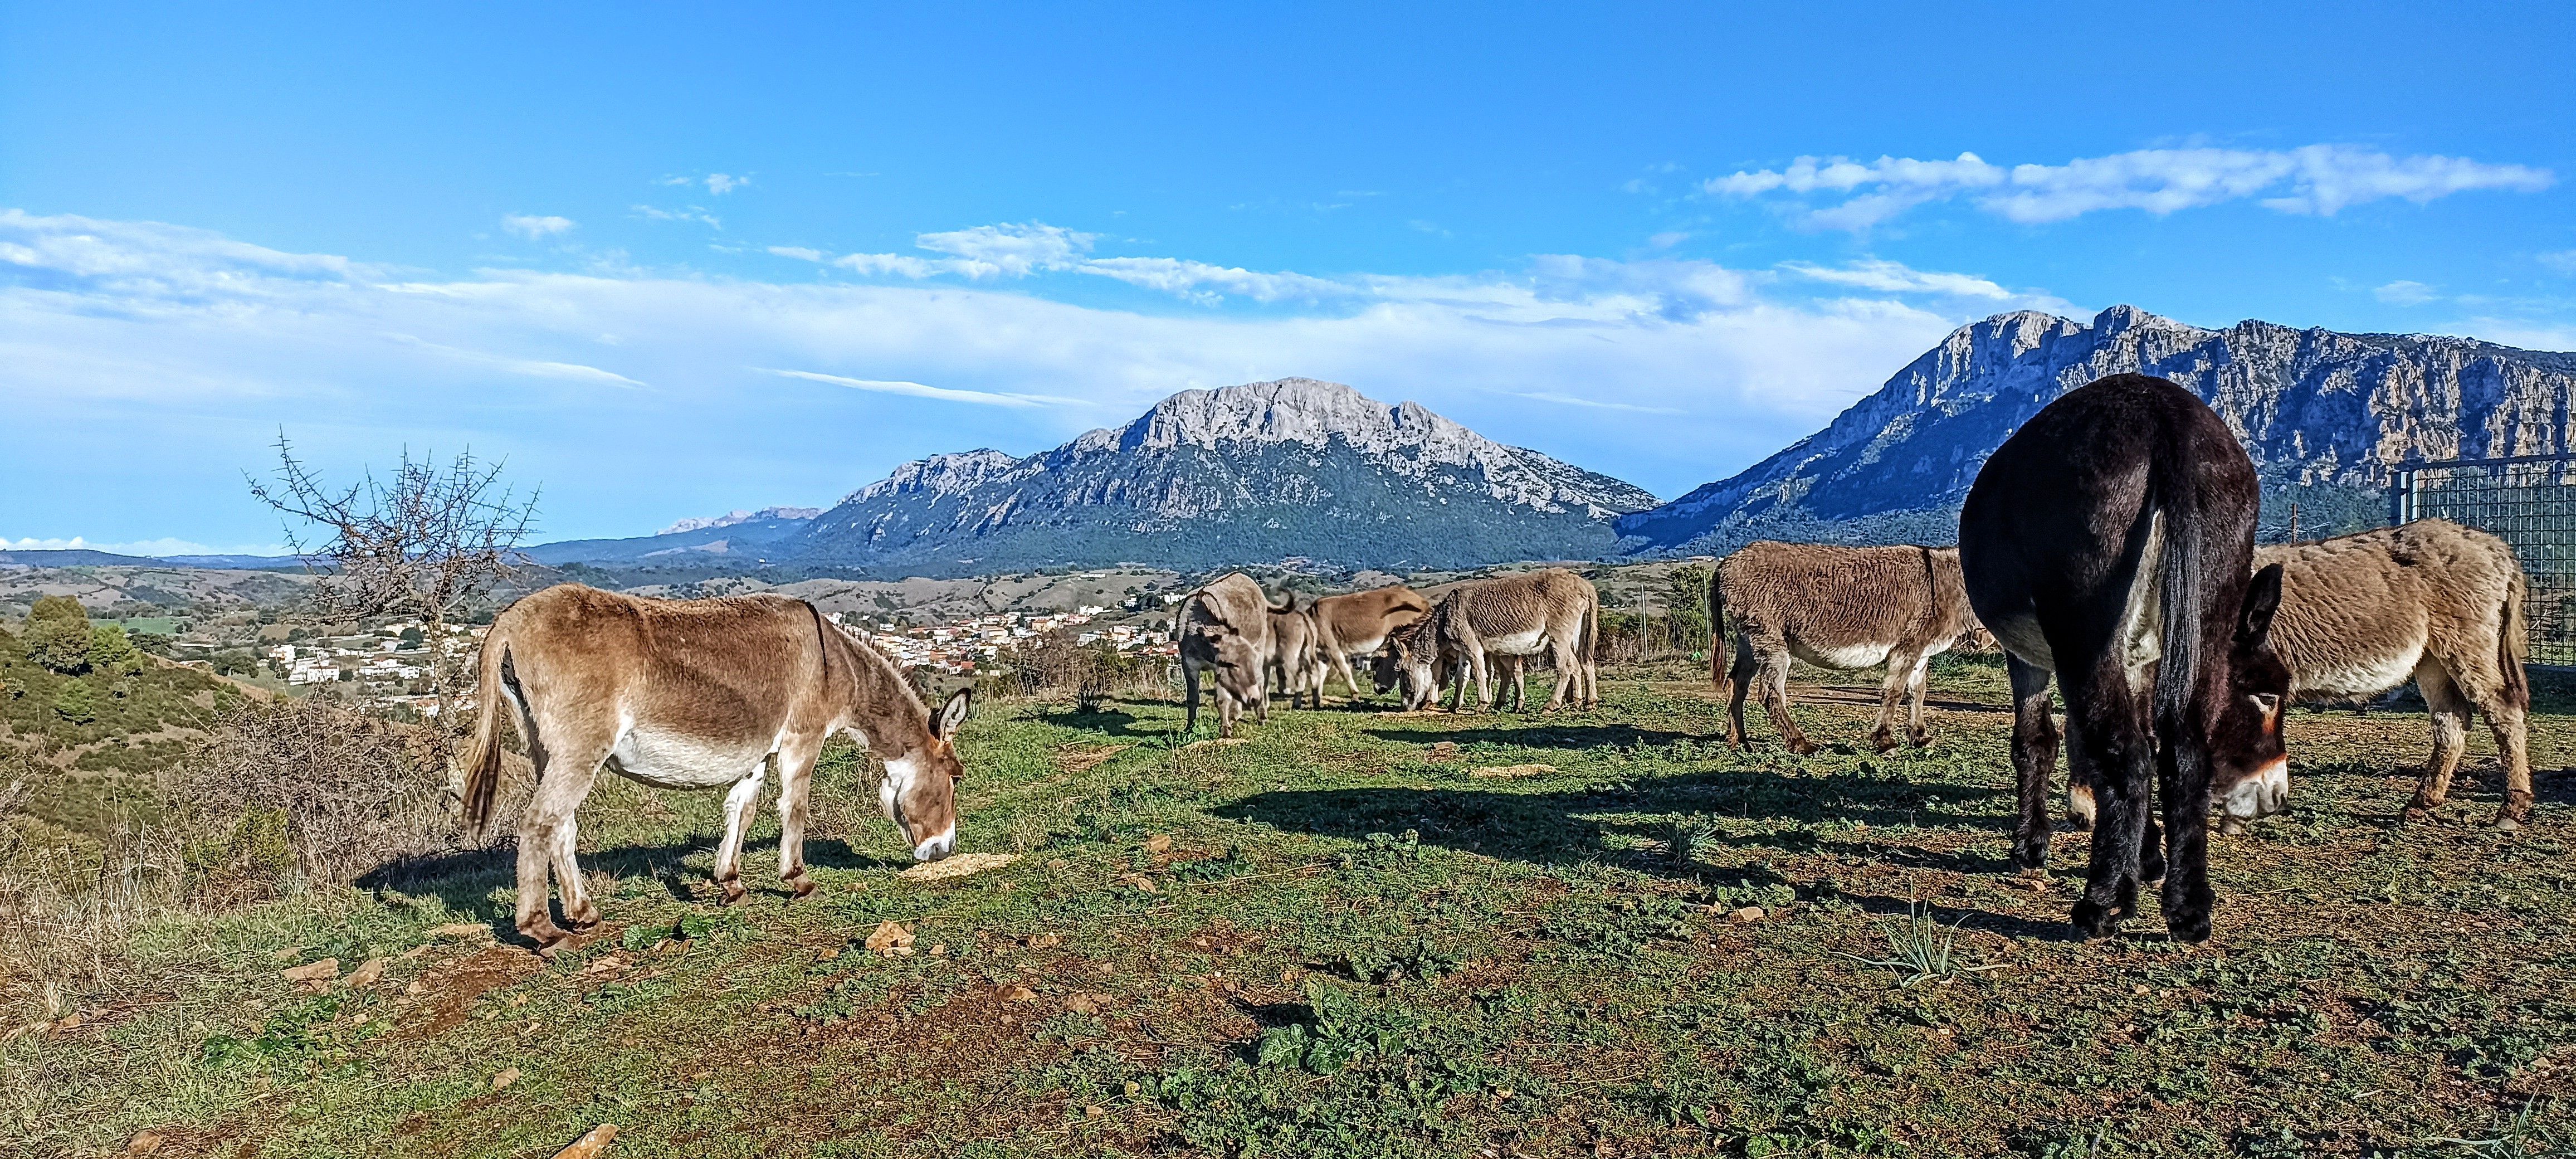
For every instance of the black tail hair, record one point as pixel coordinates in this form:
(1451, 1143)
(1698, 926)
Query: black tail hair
(1717, 629)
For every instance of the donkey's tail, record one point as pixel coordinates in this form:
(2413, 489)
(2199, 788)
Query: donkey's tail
(2513, 644)
(483, 761)
(2179, 567)
(1717, 629)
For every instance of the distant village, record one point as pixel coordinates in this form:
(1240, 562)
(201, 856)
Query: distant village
(392, 662)
(969, 646)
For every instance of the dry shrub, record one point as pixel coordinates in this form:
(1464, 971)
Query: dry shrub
(1053, 665)
(302, 789)
(67, 909)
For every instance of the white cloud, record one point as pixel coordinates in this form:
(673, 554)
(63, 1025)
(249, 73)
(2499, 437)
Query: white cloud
(2314, 179)
(166, 545)
(1012, 250)
(1594, 403)
(108, 327)
(719, 184)
(800, 253)
(536, 228)
(692, 213)
(917, 390)
(1204, 282)
(1897, 278)
(2560, 261)
(2404, 293)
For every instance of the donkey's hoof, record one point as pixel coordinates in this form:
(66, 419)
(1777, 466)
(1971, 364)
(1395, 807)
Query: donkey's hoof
(2417, 814)
(734, 892)
(804, 887)
(1883, 741)
(2095, 920)
(1805, 748)
(1920, 740)
(582, 922)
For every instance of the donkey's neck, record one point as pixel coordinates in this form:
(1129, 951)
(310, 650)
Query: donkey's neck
(882, 704)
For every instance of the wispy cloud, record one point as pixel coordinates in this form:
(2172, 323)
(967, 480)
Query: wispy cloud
(917, 390)
(1897, 278)
(2315, 179)
(536, 228)
(165, 545)
(692, 213)
(2404, 293)
(1594, 403)
(718, 184)
(2559, 261)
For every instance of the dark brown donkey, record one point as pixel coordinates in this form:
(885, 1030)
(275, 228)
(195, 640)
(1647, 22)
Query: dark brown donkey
(695, 694)
(2111, 541)
(1839, 608)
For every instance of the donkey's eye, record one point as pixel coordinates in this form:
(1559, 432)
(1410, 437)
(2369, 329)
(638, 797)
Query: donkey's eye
(2267, 702)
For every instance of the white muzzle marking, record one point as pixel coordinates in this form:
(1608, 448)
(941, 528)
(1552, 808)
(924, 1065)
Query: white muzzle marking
(2263, 793)
(937, 847)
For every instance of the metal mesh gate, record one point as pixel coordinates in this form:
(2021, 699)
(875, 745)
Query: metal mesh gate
(2528, 502)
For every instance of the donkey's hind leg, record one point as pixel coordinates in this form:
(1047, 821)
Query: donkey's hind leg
(1774, 684)
(2450, 713)
(795, 777)
(565, 772)
(739, 802)
(1891, 693)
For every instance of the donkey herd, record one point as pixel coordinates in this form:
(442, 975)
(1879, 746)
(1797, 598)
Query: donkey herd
(2107, 546)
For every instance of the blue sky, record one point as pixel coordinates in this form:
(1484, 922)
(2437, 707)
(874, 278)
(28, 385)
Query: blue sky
(675, 260)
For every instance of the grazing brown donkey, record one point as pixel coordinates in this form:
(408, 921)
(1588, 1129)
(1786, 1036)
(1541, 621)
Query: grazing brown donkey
(2431, 600)
(1839, 608)
(1357, 623)
(1551, 610)
(1292, 659)
(1224, 630)
(695, 694)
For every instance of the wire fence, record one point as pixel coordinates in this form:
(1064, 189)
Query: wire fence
(2527, 501)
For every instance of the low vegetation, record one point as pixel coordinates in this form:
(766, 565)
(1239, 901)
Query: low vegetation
(1367, 934)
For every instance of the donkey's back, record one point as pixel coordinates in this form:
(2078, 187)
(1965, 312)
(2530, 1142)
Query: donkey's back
(694, 691)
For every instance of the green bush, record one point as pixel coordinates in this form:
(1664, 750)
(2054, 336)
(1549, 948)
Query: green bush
(58, 635)
(76, 702)
(113, 652)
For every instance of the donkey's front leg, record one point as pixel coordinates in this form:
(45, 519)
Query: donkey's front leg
(738, 804)
(795, 777)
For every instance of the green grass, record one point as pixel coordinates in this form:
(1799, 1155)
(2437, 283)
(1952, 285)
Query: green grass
(1354, 945)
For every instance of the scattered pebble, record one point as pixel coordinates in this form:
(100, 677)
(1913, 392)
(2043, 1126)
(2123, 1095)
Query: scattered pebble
(502, 1081)
(322, 971)
(368, 974)
(143, 1143)
(1159, 843)
(592, 1145)
(891, 940)
(1751, 913)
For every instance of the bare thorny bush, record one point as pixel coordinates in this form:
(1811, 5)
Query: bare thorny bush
(431, 542)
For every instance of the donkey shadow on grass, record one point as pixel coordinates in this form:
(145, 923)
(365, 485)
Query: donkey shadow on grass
(1574, 826)
(469, 881)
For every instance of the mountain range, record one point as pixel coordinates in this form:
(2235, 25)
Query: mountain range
(2327, 417)
(1301, 470)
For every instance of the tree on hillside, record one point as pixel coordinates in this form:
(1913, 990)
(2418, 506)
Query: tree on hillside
(58, 635)
(429, 542)
(76, 701)
(112, 651)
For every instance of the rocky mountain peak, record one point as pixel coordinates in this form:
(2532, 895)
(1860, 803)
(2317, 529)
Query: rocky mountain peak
(739, 517)
(2315, 408)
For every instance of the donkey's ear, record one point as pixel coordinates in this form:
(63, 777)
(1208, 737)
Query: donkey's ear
(953, 713)
(2262, 600)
